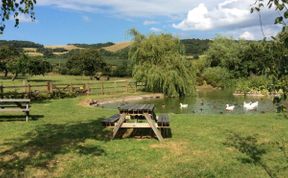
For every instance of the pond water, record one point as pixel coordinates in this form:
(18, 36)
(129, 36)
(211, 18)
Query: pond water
(206, 102)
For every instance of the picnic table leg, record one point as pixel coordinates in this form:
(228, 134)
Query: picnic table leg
(119, 124)
(152, 124)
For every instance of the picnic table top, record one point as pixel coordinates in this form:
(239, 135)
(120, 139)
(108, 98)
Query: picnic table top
(136, 108)
(15, 100)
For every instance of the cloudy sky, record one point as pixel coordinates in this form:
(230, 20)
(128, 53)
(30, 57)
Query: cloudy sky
(94, 21)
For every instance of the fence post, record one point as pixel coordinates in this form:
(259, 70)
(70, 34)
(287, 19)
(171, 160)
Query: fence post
(29, 91)
(49, 87)
(102, 87)
(1, 91)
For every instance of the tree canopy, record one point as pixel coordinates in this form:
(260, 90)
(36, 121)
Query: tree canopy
(158, 61)
(87, 62)
(281, 6)
(13, 8)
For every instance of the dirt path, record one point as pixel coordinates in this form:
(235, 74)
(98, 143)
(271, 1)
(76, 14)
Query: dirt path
(99, 102)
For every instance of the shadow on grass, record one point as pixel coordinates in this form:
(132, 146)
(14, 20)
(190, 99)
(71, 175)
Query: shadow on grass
(249, 146)
(41, 80)
(143, 133)
(9, 118)
(38, 148)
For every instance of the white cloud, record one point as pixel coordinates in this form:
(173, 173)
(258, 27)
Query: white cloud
(130, 8)
(226, 14)
(247, 36)
(254, 32)
(149, 22)
(25, 19)
(154, 29)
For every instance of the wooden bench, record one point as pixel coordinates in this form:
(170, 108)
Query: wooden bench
(15, 105)
(110, 121)
(164, 125)
(163, 120)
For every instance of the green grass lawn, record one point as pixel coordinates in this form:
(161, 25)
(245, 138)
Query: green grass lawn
(51, 77)
(67, 140)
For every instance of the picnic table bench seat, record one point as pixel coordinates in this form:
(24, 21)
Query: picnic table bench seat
(15, 105)
(163, 120)
(110, 121)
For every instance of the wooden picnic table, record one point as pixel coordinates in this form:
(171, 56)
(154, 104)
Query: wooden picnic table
(15, 105)
(137, 116)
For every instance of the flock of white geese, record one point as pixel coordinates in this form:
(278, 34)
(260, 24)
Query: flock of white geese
(250, 106)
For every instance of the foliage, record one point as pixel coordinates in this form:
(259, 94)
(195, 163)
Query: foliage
(217, 76)
(94, 46)
(45, 51)
(195, 47)
(158, 61)
(14, 8)
(18, 65)
(37, 66)
(281, 6)
(25, 65)
(61, 50)
(124, 70)
(7, 53)
(87, 62)
(255, 84)
(20, 44)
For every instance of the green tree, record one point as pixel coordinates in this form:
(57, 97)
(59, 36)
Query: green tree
(7, 53)
(37, 66)
(159, 62)
(87, 62)
(18, 65)
(13, 8)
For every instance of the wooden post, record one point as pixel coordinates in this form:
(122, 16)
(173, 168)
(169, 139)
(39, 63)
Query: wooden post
(154, 128)
(119, 124)
(115, 86)
(127, 86)
(1, 91)
(29, 91)
(49, 87)
(102, 87)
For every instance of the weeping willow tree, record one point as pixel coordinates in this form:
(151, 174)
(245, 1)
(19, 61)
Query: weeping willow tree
(158, 61)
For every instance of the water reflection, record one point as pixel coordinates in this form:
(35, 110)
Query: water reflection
(206, 101)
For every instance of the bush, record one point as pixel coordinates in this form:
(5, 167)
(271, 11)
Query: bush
(217, 77)
(254, 84)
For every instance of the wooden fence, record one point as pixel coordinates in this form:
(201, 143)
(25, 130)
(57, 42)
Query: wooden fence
(95, 88)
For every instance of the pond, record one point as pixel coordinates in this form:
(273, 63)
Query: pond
(206, 101)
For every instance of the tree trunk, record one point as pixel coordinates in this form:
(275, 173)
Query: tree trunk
(15, 76)
(5, 73)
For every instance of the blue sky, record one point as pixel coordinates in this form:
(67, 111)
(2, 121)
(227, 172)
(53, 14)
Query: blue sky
(94, 21)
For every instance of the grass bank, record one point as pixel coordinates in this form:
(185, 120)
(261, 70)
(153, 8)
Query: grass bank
(67, 140)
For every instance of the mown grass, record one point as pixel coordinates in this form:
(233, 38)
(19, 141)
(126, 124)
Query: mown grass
(66, 139)
(51, 77)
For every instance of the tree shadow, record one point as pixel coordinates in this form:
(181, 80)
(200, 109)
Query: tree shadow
(39, 147)
(142, 133)
(10, 118)
(249, 146)
(41, 80)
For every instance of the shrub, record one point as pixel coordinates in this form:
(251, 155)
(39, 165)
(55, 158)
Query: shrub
(217, 77)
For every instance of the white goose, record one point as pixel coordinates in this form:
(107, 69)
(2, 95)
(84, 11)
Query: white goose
(229, 108)
(183, 105)
(250, 106)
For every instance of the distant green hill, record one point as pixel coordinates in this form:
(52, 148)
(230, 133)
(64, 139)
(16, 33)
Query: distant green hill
(195, 47)
(21, 44)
